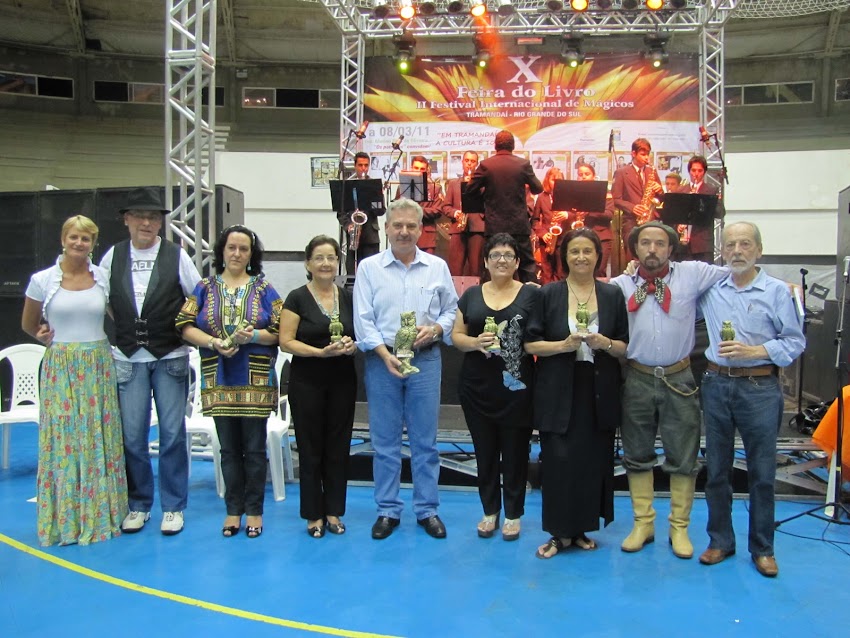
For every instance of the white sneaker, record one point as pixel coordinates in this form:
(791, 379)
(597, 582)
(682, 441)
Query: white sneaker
(134, 522)
(172, 523)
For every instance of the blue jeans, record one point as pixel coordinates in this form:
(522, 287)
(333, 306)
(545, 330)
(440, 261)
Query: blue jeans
(753, 405)
(168, 380)
(394, 403)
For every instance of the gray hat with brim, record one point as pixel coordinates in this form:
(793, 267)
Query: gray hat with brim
(636, 231)
(146, 198)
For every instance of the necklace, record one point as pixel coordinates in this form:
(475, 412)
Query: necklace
(232, 302)
(582, 314)
(335, 310)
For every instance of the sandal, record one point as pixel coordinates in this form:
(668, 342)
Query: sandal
(583, 542)
(511, 529)
(487, 525)
(553, 543)
(229, 531)
(316, 532)
(335, 528)
(253, 532)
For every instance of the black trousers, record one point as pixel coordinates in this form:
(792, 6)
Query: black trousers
(499, 449)
(324, 417)
(527, 265)
(243, 463)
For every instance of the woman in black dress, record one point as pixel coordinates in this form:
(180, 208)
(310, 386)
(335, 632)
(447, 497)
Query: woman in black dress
(495, 386)
(577, 330)
(322, 385)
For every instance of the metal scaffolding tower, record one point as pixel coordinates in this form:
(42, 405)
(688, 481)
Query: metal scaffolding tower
(190, 45)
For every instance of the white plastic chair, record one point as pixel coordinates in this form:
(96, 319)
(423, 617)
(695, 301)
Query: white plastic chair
(277, 438)
(197, 423)
(25, 360)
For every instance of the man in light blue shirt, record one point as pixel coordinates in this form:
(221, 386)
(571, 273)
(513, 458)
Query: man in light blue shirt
(402, 279)
(741, 390)
(659, 395)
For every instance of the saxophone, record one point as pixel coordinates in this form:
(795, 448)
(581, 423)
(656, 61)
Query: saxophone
(462, 219)
(649, 199)
(556, 230)
(358, 218)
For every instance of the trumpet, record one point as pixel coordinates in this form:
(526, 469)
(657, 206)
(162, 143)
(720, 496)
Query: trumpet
(555, 230)
(358, 218)
(579, 222)
(461, 219)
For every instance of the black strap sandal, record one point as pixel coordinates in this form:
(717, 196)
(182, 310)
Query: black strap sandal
(229, 531)
(335, 528)
(254, 532)
(553, 543)
(316, 532)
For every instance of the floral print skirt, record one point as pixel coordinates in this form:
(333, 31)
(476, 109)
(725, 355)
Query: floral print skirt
(82, 484)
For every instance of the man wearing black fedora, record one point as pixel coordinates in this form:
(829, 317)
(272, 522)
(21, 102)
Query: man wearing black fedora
(149, 280)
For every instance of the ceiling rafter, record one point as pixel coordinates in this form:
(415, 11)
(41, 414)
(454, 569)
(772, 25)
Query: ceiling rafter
(75, 15)
(832, 31)
(229, 24)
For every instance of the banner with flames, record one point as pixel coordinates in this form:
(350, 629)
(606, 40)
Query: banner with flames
(560, 116)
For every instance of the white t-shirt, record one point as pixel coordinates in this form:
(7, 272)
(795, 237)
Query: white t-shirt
(141, 266)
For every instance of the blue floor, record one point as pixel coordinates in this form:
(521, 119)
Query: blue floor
(288, 584)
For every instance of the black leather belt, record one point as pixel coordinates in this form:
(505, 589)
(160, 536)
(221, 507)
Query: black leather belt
(754, 371)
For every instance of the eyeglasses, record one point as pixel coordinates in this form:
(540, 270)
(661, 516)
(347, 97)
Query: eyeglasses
(320, 259)
(501, 256)
(149, 215)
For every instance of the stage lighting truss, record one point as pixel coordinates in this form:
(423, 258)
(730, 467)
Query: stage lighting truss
(451, 18)
(656, 48)
(405, 51)
(571, 50)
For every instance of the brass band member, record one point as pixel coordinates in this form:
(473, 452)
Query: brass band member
(628, 190)
(466, 232)
(600, 223)
(700, 245)
(369, 242)
(548, 225)
(432, 208)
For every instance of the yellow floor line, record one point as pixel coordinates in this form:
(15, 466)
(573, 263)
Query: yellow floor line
(185, 600)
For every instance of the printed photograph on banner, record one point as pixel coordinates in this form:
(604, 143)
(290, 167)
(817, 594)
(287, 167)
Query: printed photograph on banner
(542, 161)
(522, 154)
(669, 162)
(382, 166)
(597, 160)
(322, 169)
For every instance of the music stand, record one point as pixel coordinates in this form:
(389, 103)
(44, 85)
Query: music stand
(586, 196)
(413, 185)
(352, 194)
(693, 209)
(471, 201)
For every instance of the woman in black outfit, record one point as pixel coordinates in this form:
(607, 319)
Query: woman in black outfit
(322, 385)
(577, 393)
(495, 387)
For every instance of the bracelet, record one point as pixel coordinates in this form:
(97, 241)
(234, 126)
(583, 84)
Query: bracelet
(211, 343)
(255, 336)
(436, 334)
(610, 344)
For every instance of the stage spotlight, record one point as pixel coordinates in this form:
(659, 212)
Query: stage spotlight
(656, 49)
(406, 10)
(454, 6)
(481, 58)
(604, 4)
(404, 51)
(553, 5)
(506, 7)
(579, 5)
(654, 5)
(427, 8)
(380, 8)
(678, 4)
(571, 52)
(477, 8)
(630, 5)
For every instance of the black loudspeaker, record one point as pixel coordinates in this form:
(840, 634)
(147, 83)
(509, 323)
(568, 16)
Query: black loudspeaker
(819, 376)
(19, 230)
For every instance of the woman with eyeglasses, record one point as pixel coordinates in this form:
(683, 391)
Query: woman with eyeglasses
(495, 383)
(577, 331)
(317, 327)
(234, 318)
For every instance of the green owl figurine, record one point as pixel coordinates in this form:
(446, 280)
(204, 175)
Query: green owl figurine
(335, 328)
(490, 326)
(727, 332)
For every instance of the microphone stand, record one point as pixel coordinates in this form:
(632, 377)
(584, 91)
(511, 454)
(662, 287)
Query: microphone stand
(723, 172)
(389, 171)
(800, 418)
(832, 509)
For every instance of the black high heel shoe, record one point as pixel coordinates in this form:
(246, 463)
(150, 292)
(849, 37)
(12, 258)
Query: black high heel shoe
(335, 528)
(316, 532)
(229, 531)
(253, 532)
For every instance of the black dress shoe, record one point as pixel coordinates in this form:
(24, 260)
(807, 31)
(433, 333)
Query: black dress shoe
(434, 526)
(384, 526)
